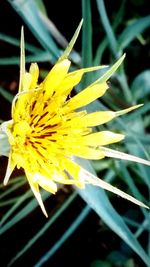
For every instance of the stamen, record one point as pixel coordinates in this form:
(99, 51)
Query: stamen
(33, 105)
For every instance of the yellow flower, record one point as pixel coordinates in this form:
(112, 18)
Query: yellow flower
(48, 128)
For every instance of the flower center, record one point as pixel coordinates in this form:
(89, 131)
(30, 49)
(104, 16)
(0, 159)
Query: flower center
(20, 131)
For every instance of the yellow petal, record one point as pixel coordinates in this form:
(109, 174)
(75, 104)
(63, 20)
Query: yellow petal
(22, 128)
(73, 78)
(97, 118)
(19, 159)
(102, 138)
(61, 177)
(47, 183)
(26, 81)
(86, 152)
(34, 71)
(101, 117)
(124, 111)
(55, 77)
(35, 188)
(86, 96)
(73, 169)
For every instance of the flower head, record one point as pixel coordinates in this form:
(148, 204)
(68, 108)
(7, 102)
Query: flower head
(48, 128)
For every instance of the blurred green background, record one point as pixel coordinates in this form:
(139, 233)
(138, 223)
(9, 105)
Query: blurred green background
(85, 228)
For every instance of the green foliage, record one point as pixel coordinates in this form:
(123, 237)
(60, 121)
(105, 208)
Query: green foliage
(127, 88)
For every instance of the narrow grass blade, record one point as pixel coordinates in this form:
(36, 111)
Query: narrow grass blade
(132, 31)
(12, 189)
(8, 214)
(126, 177)
(8, 96)
(64, 237)
(21, 214)
(42, 231)
(86, 53)
(98, 201)
(29, 13)
(104, 43)
(108, 29)
(141, 85)
(86, 34)
(13, 41)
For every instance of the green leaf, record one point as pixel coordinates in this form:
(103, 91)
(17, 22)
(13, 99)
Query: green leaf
(64, 237)
(47, 225)
(86, 34)
(29, 13)
(98, 201)
(108, 28)
(99, 263)
(141, 85)
(41, 6)
(13, 41)
(132, 31)
(8, 96)
(41, 56)
(22, 213)
(86, 40)
(104, 43)
(12, 189)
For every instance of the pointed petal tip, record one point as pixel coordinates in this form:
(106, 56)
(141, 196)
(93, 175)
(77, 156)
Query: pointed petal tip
(94, 180)
(119, 61)
(39, 199)
(45, 213)
(81, 22)
(7, 176)
(111, 153)
(22, 58)
(35, 189)
(22, 29)
(11, 166)
(5, 181)
(127, 110)
(71, 43)
(139, 105)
